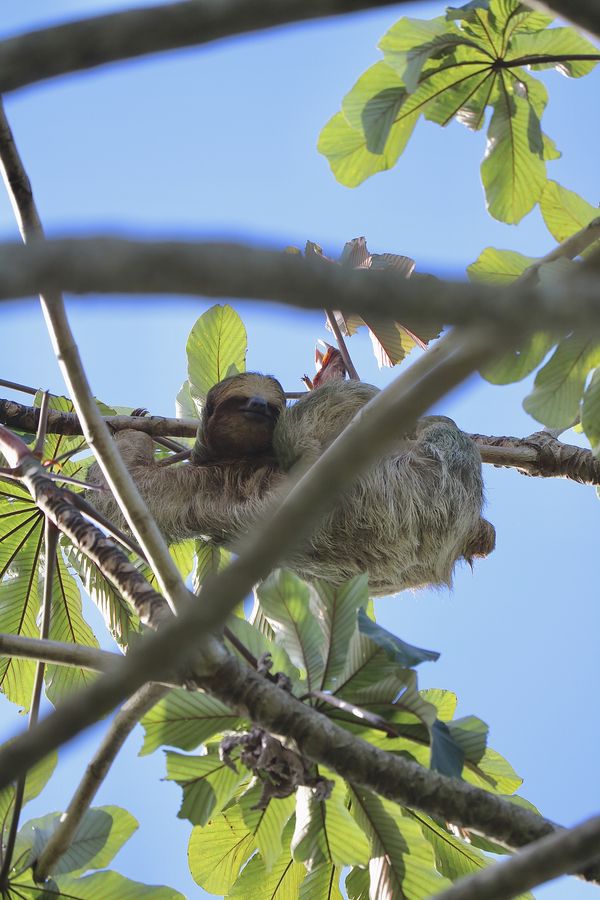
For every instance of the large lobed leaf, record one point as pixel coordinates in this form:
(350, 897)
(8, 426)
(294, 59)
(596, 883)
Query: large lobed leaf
(458, 66)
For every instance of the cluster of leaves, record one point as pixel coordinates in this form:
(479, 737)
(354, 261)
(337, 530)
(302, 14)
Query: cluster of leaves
(454, 67)
(566, 391)
(359, 675)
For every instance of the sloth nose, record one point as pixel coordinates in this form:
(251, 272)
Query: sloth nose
(257, 404)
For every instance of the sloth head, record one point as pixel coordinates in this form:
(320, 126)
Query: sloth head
(239, 416)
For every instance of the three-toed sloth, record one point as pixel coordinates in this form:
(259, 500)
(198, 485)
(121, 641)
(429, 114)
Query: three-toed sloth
(406, 521)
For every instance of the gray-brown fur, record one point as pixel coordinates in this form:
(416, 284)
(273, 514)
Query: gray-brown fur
(406, 521)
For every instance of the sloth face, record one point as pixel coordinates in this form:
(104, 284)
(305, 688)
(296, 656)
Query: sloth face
(240, 415)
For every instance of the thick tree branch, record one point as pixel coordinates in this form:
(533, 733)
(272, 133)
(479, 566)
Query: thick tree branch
(122, 725)
(539, 454)
(95, 431)
(74, 46)
(57, 653)
(111, 265)
(551, 856)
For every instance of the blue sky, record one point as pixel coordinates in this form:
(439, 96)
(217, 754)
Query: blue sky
(220, 141)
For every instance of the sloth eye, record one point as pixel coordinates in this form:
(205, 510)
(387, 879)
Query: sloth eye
(209, 408)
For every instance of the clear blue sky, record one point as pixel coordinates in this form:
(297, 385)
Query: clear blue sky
(220, 141)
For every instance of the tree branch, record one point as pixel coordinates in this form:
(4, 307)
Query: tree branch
(539, 454)
(57, 653)
(122, 725)
(89, 43)
(95, 431)
(551, 856)
(113, 265)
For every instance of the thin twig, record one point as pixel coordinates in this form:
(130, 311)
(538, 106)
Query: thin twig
(40, 437)
(123, 724)
(15, 386)
(50, 545)
(350, 367)
(551, 856)
(74, 46)
(95, 431)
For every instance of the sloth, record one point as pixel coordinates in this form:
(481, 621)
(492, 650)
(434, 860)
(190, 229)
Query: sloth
(405, 521)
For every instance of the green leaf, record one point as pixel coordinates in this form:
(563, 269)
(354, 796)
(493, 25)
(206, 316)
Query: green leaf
(67, 625)
(259, 644)
(101, 834)
(454, 857)
(555, 42)
(513, 170)
(20, 552)
(279, 882)
(117, 613)
(335, 611)
(565, 212)
(499, 266)
(210, 560)
(447, 756)
(444, 702)
(309, 842)
(99, 886)
(357, 884)
(502, 267)
(268, 829)
(590, 411)
(218, 851)
(396, 649)
(37, 779)
(208, 784)
(286, 602)
(323, 882)
(347, 844)
(492, 773)
(410, 43)
(559, 385)
(185, 720)
(217, 342)
(185, 407)
(402, 862)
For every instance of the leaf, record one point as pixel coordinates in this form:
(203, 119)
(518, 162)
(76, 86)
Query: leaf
(555, 42)
(335, 611)
(259, 644)
(67, 625)
(20, 550)
(565, 212)
(454, 857)
(402, 862)
(37, 779)
(269, 827)
(185, 408)
(492, 773)
(513, 170)
(286, 602)
(393, 341)
(323, 882)
(279, 882)
(411, 42)
(210, 560)
(590, 411)
(444, 702)
(185, 720)
(499, 266)
(100, 835)
(447, 756)
(217, 342)
(502, 267)
(347, 844)
(559, 385)
(396, 649)
(118, 615)
(218, 851)
(99, 886)
(208, 784)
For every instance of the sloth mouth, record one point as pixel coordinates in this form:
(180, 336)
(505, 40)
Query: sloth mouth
(257, 410)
